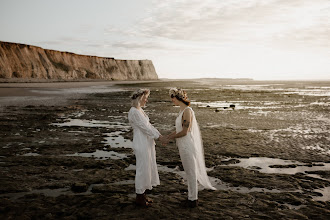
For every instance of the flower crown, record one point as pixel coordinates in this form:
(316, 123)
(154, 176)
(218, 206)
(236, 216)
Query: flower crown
(179, 93)
(139, 93)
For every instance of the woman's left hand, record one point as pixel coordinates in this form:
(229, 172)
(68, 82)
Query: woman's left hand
(164, 140)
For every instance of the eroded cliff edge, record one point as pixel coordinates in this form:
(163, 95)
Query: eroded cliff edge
(31, 62)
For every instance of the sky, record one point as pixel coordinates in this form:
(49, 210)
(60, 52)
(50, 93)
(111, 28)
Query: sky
(259, 39)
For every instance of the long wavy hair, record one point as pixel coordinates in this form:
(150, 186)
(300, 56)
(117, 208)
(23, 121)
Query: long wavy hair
(137, 96)
(180, 95)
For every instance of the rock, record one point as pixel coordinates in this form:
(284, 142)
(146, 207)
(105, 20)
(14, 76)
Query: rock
(79, 187)
(26, 62)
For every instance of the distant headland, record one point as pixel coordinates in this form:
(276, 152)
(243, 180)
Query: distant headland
(24, 62)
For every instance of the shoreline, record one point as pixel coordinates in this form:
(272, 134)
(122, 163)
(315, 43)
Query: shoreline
(53, 89)
(67, 84)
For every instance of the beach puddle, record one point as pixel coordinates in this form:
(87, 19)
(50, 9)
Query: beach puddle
(265, 165)
(115, 140)
(216, 183)
(325, 194)
(275, 165)
(74, 121)
(91, 123)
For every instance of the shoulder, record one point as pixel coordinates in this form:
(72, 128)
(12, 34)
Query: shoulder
(132, 110)
(187, 112)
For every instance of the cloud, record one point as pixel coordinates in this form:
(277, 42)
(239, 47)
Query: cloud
(73, 44)
(212, 20)
(64, 40)
(160, 46)
(245, 21)
(138, 45)
(311, 27)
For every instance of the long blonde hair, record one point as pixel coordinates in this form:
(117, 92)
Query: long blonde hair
(137, 96)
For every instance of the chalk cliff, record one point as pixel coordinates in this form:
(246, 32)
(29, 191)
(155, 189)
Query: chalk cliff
(27, 62)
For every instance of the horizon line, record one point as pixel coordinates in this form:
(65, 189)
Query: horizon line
(243, 78)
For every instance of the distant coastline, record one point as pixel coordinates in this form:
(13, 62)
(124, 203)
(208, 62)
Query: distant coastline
(27, 62)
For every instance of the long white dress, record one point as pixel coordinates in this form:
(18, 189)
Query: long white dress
(144, 149)
(192, 156)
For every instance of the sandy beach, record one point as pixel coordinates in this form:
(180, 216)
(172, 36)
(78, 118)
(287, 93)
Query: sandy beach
(65, 150)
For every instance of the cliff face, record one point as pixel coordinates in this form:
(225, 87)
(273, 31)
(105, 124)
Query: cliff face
(25, 61)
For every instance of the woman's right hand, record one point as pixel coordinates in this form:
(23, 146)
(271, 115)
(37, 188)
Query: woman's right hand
(164, 140)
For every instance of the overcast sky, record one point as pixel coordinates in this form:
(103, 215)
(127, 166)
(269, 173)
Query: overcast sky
(260, 39)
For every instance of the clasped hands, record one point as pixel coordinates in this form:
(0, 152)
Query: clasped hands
(164, 139)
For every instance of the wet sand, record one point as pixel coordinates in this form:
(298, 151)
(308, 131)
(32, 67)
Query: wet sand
(69, 157)
(41, 92)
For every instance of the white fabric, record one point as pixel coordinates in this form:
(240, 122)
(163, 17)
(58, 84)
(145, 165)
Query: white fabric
(144, 149)
(192, 156)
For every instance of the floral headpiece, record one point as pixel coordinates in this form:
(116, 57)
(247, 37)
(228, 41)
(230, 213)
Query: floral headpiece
(179, 93)
(139, 93)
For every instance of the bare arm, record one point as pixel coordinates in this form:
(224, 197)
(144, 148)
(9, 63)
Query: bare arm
(173, 133)
(186, 124)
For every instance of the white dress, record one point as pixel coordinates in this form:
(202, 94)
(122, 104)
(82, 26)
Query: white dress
(192, 156)
(144, 149)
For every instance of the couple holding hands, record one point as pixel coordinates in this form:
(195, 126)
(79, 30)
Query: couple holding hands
(188, 140)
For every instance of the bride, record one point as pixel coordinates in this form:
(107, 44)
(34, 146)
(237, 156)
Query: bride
(189, 141)
(144, 147)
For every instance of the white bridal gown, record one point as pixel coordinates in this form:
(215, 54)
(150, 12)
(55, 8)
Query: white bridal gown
(144, 149)
(192, 156)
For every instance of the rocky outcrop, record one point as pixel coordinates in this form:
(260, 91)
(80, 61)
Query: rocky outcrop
(27, 62)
